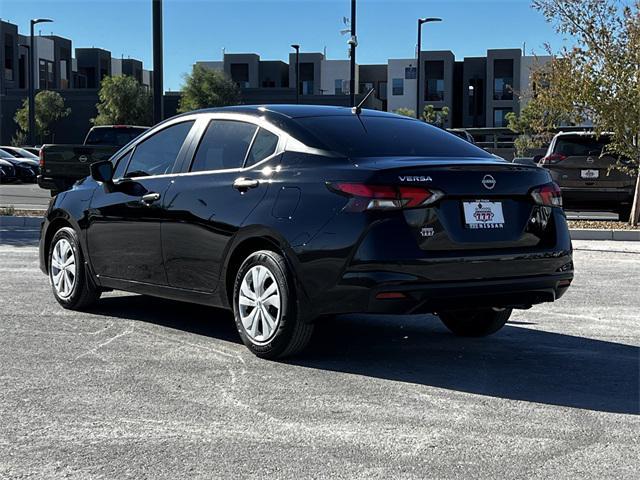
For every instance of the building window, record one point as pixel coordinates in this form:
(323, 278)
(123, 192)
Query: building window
(410, 73)
(240, 74)
(503, 80)
(307, 87)
(338, 86)
(476, 97)
(9, 63)
(382, 90)
(268, 83)
(434, 87)
(46, 75)
(397, 86)
(64, 79)
(499, 116)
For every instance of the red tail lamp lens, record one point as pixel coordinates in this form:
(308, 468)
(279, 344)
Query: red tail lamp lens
(549, 194)
(553, 158)
(384, 197)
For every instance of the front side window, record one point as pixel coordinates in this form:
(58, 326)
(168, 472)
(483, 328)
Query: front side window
(263, 146)
(121, 166)
(223, 146)
(157, 154)
(397, 86)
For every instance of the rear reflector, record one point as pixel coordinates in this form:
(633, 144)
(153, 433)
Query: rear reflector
(390, 296)
(384, 197)
(549, 194)
(564, 283)
(553, 158)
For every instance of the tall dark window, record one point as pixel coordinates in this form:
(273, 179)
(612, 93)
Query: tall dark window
(307, 72)
(240, 74)
(503, 79)
(46, 76)
(434, 86)
(9, 60)
(476, 99)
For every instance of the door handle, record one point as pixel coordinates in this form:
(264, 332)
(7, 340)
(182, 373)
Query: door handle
(244, 184)
(149, 198)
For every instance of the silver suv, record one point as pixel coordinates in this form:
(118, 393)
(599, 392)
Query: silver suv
(577, 163)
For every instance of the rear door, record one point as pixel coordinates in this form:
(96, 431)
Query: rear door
(124, 221)
(578, 162)
(205, 207)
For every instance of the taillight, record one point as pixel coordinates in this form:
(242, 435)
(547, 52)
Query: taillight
(553, 158)
(548, 194)
(384, 197)
(41, 158)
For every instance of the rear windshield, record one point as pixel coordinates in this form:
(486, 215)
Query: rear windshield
(580, 146)
(113, 136)
(369, 136)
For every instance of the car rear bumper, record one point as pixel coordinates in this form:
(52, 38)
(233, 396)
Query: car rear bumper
(55, 184)
(596, 197)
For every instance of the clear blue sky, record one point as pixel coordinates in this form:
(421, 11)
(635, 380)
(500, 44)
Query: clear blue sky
(199, 29)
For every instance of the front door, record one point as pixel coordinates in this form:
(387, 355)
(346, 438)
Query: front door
(123, 233)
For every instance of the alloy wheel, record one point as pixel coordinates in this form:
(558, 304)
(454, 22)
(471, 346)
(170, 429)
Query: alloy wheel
(259, 304)
(63, 268)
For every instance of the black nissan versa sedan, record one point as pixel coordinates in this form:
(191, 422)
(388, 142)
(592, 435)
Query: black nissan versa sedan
(286, 214)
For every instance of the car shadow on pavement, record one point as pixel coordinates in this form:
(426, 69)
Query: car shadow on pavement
(188, 317)
(516, 363)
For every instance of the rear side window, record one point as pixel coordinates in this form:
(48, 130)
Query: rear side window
(580, 146)
(371, 136)
(223, 146)
(264, 145)
(157, 154)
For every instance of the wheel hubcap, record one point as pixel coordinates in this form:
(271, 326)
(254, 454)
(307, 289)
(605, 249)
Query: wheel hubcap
(259, 304)
(63, 268)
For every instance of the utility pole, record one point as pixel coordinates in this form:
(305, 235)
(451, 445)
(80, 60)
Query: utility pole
(353, 42)
(158, 113)
(297, 49)
(421, 21)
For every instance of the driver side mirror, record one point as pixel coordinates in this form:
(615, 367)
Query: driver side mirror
(102, 171)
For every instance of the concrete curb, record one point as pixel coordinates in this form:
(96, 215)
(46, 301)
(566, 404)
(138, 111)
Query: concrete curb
(11, 221)
(593, 234)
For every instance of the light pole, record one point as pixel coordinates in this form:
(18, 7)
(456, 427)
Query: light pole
(32, 94)
(421, 21)
(353, 42)
(158, 68)
(297, 49)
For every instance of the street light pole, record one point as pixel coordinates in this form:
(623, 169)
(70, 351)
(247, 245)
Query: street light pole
(353, 42)
(158, 67)
(297, 49)
(32, 94)
(421, 21)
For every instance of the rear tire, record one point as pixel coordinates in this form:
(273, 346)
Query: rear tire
(72, 287)
(264, 307)
(475, 323)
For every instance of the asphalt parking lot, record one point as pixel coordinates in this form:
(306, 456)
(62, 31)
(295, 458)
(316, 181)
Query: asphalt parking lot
(147, 388)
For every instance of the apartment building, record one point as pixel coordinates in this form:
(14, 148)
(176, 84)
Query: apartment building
(478, 91)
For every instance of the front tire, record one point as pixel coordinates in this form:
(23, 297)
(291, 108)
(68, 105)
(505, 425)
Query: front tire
(72, 287)
(264, 307)
(475, 323)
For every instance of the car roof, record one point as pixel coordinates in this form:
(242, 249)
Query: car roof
(589, 133)
(296, 111)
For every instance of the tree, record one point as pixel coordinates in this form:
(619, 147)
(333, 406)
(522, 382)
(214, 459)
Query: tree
(123, 101)
(435, 117)
(205, 88)
(407, 112)
(597, 79)
(49, 109)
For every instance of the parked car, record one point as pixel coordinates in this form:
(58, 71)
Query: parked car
(287, 214)
(19, 152)
(7, 172)
(26, 169)
(34, 150)
(459, 132)
(62, 165)
(580, 164)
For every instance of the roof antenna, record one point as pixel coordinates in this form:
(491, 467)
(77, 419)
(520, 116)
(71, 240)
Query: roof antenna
(358, 110)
